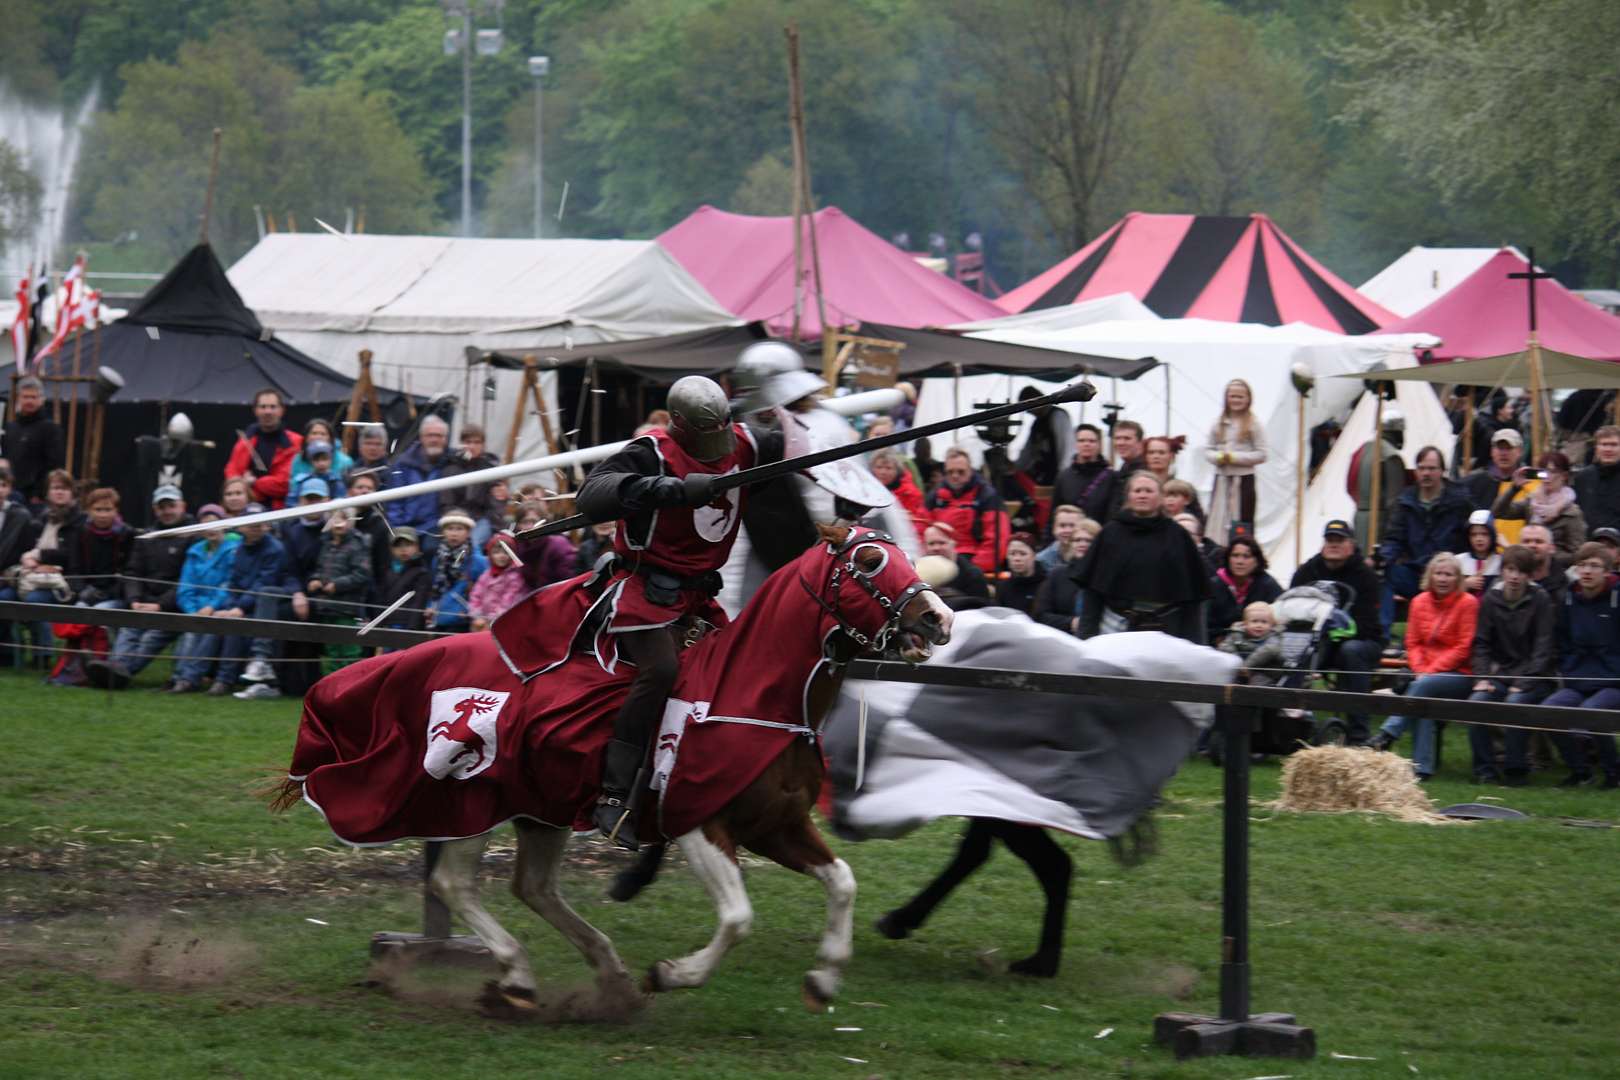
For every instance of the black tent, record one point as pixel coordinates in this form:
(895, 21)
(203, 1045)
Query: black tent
(190, 345)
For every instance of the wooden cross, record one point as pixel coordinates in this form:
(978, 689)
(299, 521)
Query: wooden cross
(1530, 276)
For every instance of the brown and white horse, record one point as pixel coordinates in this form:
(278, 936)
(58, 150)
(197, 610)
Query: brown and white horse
(851, 594)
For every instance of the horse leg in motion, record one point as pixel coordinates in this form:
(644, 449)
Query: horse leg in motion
(540, 850)
(628, 883)
(800, 848)
(1049, 862)
(455, 881)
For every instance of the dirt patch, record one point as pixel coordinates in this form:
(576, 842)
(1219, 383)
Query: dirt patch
(607, 1001)
(152, 956)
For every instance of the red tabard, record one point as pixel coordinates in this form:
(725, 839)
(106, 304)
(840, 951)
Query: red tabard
(691, 540)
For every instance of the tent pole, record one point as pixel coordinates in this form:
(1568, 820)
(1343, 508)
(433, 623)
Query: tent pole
(73, 400)
(1538, 431)
(208, 203)
(97, 419)
(1468, 430)
(1299, 486)
(794, 106)
(354, 400)
(517, 413)
(1377, 466)
(1167, 399)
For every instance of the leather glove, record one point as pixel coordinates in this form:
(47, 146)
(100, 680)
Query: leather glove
(699, 489)
(666, 491)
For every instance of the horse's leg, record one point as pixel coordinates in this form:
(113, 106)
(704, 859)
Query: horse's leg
(971, 854)
(714, 861)
(800, 847)
(1053, 869)
(539, 854)
(628, 883)
(455, 881)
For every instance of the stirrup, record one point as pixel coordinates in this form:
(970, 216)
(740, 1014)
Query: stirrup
(613, 824)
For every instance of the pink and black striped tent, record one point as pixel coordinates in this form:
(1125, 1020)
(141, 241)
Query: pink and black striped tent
(1189, 266)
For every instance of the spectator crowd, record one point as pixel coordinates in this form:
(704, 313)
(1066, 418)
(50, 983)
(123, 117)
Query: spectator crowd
(1505, 579)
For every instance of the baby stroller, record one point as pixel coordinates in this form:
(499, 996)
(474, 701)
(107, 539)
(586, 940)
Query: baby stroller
(1310, 617)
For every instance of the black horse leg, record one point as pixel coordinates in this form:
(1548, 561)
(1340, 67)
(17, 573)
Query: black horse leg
(971, 854)
(628, 883)
(1053, 869)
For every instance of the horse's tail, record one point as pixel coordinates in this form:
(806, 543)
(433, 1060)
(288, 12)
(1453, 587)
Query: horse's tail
(1137, 844)
(278, 789)
(629, 882)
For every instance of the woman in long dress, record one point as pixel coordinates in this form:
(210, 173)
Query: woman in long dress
(1237, 443)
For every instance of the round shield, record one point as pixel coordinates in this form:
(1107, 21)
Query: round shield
(1473, 811)
(849, 480)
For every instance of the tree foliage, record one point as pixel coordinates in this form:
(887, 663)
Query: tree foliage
(19, 196)
(1501, 93)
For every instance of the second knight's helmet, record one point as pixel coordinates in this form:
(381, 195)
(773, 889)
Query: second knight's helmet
(771, 373)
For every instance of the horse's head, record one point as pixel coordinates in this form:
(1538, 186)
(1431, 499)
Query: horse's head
(875, 596)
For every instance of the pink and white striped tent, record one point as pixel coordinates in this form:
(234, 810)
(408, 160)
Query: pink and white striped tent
(1187, 266)
(746, 263)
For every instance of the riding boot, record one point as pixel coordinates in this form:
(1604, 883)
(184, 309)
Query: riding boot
(624, 783)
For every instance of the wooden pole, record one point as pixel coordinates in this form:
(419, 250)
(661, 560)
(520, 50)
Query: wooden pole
(73, 399)
(1299, 487)
(355, 396)
(1468, 430)
(795, 107)
(98, 412)
(208, 204)
(1377, 467)
(1538, 429)
(517, 413)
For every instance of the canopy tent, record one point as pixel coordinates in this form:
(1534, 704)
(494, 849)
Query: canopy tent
(1232, 269)
(1422, 276)
(1559, 371)
(748, 264)
(190, 344)
(1198, 358)
(1328, 496)
(417, 302)
(926, 353)
(1488, 314)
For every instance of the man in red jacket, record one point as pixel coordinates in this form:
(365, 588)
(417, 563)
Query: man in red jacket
(967, 503)
(264, 456)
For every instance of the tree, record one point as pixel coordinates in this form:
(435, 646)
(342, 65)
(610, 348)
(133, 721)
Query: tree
(1501, 93)
(19, 196)
(1054, 80)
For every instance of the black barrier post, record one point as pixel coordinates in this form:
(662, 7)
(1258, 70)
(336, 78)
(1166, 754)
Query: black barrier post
(1236, 1030)
(435, 944)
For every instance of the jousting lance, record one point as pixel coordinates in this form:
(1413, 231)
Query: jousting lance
(1080, 391)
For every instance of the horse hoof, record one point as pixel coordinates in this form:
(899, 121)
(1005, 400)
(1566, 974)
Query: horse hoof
(508, 1002)
(891, 927)
(1035, 966)
(650, 982)
(818, 992)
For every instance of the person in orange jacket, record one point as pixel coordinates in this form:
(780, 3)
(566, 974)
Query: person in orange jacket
(264, 455)
(1440, 626)
(969, 504)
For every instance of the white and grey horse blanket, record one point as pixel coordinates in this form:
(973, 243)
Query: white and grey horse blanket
(1091, 766)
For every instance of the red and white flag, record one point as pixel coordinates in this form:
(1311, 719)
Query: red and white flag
(66, 307)
(24, 320)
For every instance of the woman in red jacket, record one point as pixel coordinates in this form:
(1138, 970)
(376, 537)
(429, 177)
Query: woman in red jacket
(1439, 647)
(887, 467)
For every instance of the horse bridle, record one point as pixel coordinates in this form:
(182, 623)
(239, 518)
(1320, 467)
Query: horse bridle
(893, 607)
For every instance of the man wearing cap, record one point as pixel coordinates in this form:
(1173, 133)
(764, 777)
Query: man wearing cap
(151, 581)
(264, 453)
(1354, 657)
(1597, 487)
(1507, 454)
(673, 535)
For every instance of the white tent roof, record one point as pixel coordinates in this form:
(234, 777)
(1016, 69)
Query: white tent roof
(1119, 307)
(1199, 358)
(417, 302)
(1422, 276)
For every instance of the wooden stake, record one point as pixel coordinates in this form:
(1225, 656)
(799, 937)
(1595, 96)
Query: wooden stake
(213, 174)
(1377, 468)
(362, 383)
(73, 398)
(1299, 483)
(98, 411)
(1468, 430)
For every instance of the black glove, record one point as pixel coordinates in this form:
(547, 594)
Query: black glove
(666, 491)
(700, 489)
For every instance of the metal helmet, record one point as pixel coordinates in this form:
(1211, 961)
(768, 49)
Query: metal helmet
(771, 373)
(700, 418)
(180, 427)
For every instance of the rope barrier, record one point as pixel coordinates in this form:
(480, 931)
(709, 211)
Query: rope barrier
(215, 625)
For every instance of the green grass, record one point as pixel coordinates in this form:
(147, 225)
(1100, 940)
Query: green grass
(154, 921)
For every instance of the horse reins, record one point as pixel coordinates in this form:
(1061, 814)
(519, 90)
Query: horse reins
(892, 607)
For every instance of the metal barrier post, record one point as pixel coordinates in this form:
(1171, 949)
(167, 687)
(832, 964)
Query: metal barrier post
(1236, 1030)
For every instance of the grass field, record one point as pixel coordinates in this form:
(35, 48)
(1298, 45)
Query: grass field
(156, 921)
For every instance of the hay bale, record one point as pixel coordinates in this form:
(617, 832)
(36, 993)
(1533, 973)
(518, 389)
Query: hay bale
(1343, 780)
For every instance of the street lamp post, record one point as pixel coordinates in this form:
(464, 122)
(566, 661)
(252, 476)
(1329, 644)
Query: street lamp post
(463, 40)
(538, 67)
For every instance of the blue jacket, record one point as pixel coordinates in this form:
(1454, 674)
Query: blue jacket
(450, 610)
(256, 568)
(301, 554)
(1414, 533)
(341, 463)
(420, 512)
(1588, 638)
(205, 575)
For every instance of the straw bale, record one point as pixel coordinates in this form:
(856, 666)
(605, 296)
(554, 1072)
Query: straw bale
(1343, 780)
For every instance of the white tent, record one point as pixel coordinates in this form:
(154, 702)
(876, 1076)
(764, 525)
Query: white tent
(418, 301)
(1422, 276)
(1199, 358)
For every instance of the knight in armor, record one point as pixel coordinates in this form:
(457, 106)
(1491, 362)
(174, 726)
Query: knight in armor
(673, 535)
(178, 459)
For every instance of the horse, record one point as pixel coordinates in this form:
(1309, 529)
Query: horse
(738, 763)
